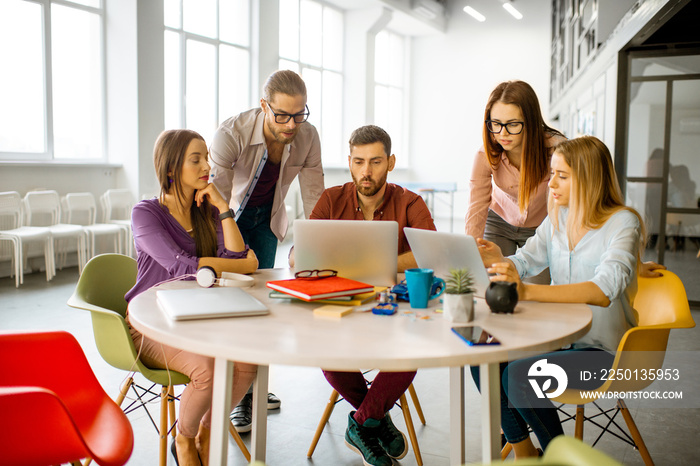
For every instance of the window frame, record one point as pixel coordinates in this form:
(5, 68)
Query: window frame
(184, 36)
(329, 160)
(48, 155)
(400, 141)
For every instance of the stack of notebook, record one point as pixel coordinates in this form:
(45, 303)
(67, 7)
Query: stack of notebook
(335, 290)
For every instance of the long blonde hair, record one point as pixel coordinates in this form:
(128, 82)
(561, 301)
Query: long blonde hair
(595, 192)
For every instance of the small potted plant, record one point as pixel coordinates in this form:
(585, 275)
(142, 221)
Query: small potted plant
(458, 299)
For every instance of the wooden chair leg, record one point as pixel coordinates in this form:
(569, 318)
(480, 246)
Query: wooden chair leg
(634, 431)
(239, 441)
(322, 423)
(123, 390)
(416, 403)
(578, 430)
(171, 411)
(411, 429)
(505, 451)
(163, 431)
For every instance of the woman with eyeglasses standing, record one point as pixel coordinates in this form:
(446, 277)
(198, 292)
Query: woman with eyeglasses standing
(508, 185)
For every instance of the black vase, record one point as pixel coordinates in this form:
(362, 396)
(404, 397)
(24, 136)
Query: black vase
(502, 297)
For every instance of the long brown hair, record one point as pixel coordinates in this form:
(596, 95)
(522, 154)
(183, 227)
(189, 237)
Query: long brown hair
(534, 164)
(595, 193)
(168, 157)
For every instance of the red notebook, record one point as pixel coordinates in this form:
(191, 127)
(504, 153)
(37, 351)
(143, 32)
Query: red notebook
(321, 288)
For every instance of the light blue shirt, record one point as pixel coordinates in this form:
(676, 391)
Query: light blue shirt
(606, 256)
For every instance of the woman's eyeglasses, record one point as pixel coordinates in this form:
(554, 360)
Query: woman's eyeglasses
(316, 274)
(514, 127)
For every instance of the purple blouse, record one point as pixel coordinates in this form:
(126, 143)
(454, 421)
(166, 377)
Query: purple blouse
(164, 249)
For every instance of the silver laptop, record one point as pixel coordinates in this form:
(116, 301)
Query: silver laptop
(444, 251)
(366, 251)
(208, 303)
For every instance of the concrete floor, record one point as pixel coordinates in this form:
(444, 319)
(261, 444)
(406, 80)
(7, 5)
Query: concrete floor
(670, 433)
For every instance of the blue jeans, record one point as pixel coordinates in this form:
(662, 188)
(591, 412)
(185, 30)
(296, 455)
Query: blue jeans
(254, 224)
(520, 406)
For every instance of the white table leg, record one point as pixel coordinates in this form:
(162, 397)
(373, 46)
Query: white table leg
(490, 412)
(221, 404)
(259, 433)
(457, 431)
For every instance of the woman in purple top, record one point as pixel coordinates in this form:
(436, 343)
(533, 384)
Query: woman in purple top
(176, 234)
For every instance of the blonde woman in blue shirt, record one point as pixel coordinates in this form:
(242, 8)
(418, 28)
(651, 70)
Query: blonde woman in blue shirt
(592, 244)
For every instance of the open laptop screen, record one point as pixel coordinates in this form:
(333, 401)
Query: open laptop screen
(444, 251)
(366, 251)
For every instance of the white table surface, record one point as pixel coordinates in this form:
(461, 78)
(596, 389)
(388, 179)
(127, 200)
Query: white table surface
(292, 335)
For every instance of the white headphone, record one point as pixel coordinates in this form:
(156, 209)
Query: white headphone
(206, 278)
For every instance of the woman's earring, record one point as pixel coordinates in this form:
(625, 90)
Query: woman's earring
(170, 180)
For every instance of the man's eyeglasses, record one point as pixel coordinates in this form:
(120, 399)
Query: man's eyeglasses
(282, 118)
(316, 274)
(514, 127)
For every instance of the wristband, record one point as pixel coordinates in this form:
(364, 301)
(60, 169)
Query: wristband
(225, 215)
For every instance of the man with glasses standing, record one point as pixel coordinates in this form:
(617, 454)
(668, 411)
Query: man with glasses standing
(255, 156)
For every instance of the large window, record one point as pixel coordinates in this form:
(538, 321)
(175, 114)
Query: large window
(207, 63)
(311, 43)
(52, 84)
(389, 90)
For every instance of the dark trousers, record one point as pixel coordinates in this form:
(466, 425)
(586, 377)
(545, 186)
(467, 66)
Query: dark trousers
(254, 224)
(371, 402)
(509, 238)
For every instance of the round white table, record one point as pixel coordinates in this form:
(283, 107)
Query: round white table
(292, 335)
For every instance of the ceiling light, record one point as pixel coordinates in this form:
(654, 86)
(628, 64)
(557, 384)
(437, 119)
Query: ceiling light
(474, 14)
(511, 9)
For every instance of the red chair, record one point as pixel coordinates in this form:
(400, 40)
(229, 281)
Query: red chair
(53, 408)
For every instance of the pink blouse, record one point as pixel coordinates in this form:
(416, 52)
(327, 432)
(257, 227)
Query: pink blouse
(498, 190)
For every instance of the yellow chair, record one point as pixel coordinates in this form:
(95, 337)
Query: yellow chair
(403, 404)
(100, 290)
(662, 305)
(566, 451)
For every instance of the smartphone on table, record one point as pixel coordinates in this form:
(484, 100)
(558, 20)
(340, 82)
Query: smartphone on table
(475, 335)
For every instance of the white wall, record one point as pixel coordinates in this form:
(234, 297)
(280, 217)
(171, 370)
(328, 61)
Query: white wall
(453, 75)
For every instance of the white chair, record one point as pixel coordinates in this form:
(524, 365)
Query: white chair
(80, 208)
(19, 236)
(116, 205)
(45, 204)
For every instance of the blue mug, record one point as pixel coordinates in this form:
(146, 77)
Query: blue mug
(420, 283)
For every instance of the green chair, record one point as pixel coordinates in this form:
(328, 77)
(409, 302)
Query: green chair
(566, 451)
(101, 288)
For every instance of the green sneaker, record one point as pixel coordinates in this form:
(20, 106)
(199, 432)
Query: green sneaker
(363, 440)
(391, 439)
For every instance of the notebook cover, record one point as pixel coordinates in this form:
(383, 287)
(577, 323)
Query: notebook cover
(352, 300)
(322, 288)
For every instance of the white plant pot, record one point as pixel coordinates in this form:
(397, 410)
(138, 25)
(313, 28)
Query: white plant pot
(458, 307)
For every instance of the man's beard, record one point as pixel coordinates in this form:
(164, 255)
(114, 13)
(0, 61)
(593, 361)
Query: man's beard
(371, 190)
(280, 138)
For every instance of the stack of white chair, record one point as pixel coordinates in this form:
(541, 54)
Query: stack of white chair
(19, 236)
(116, 205)
(80, 208)
(47, 204)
